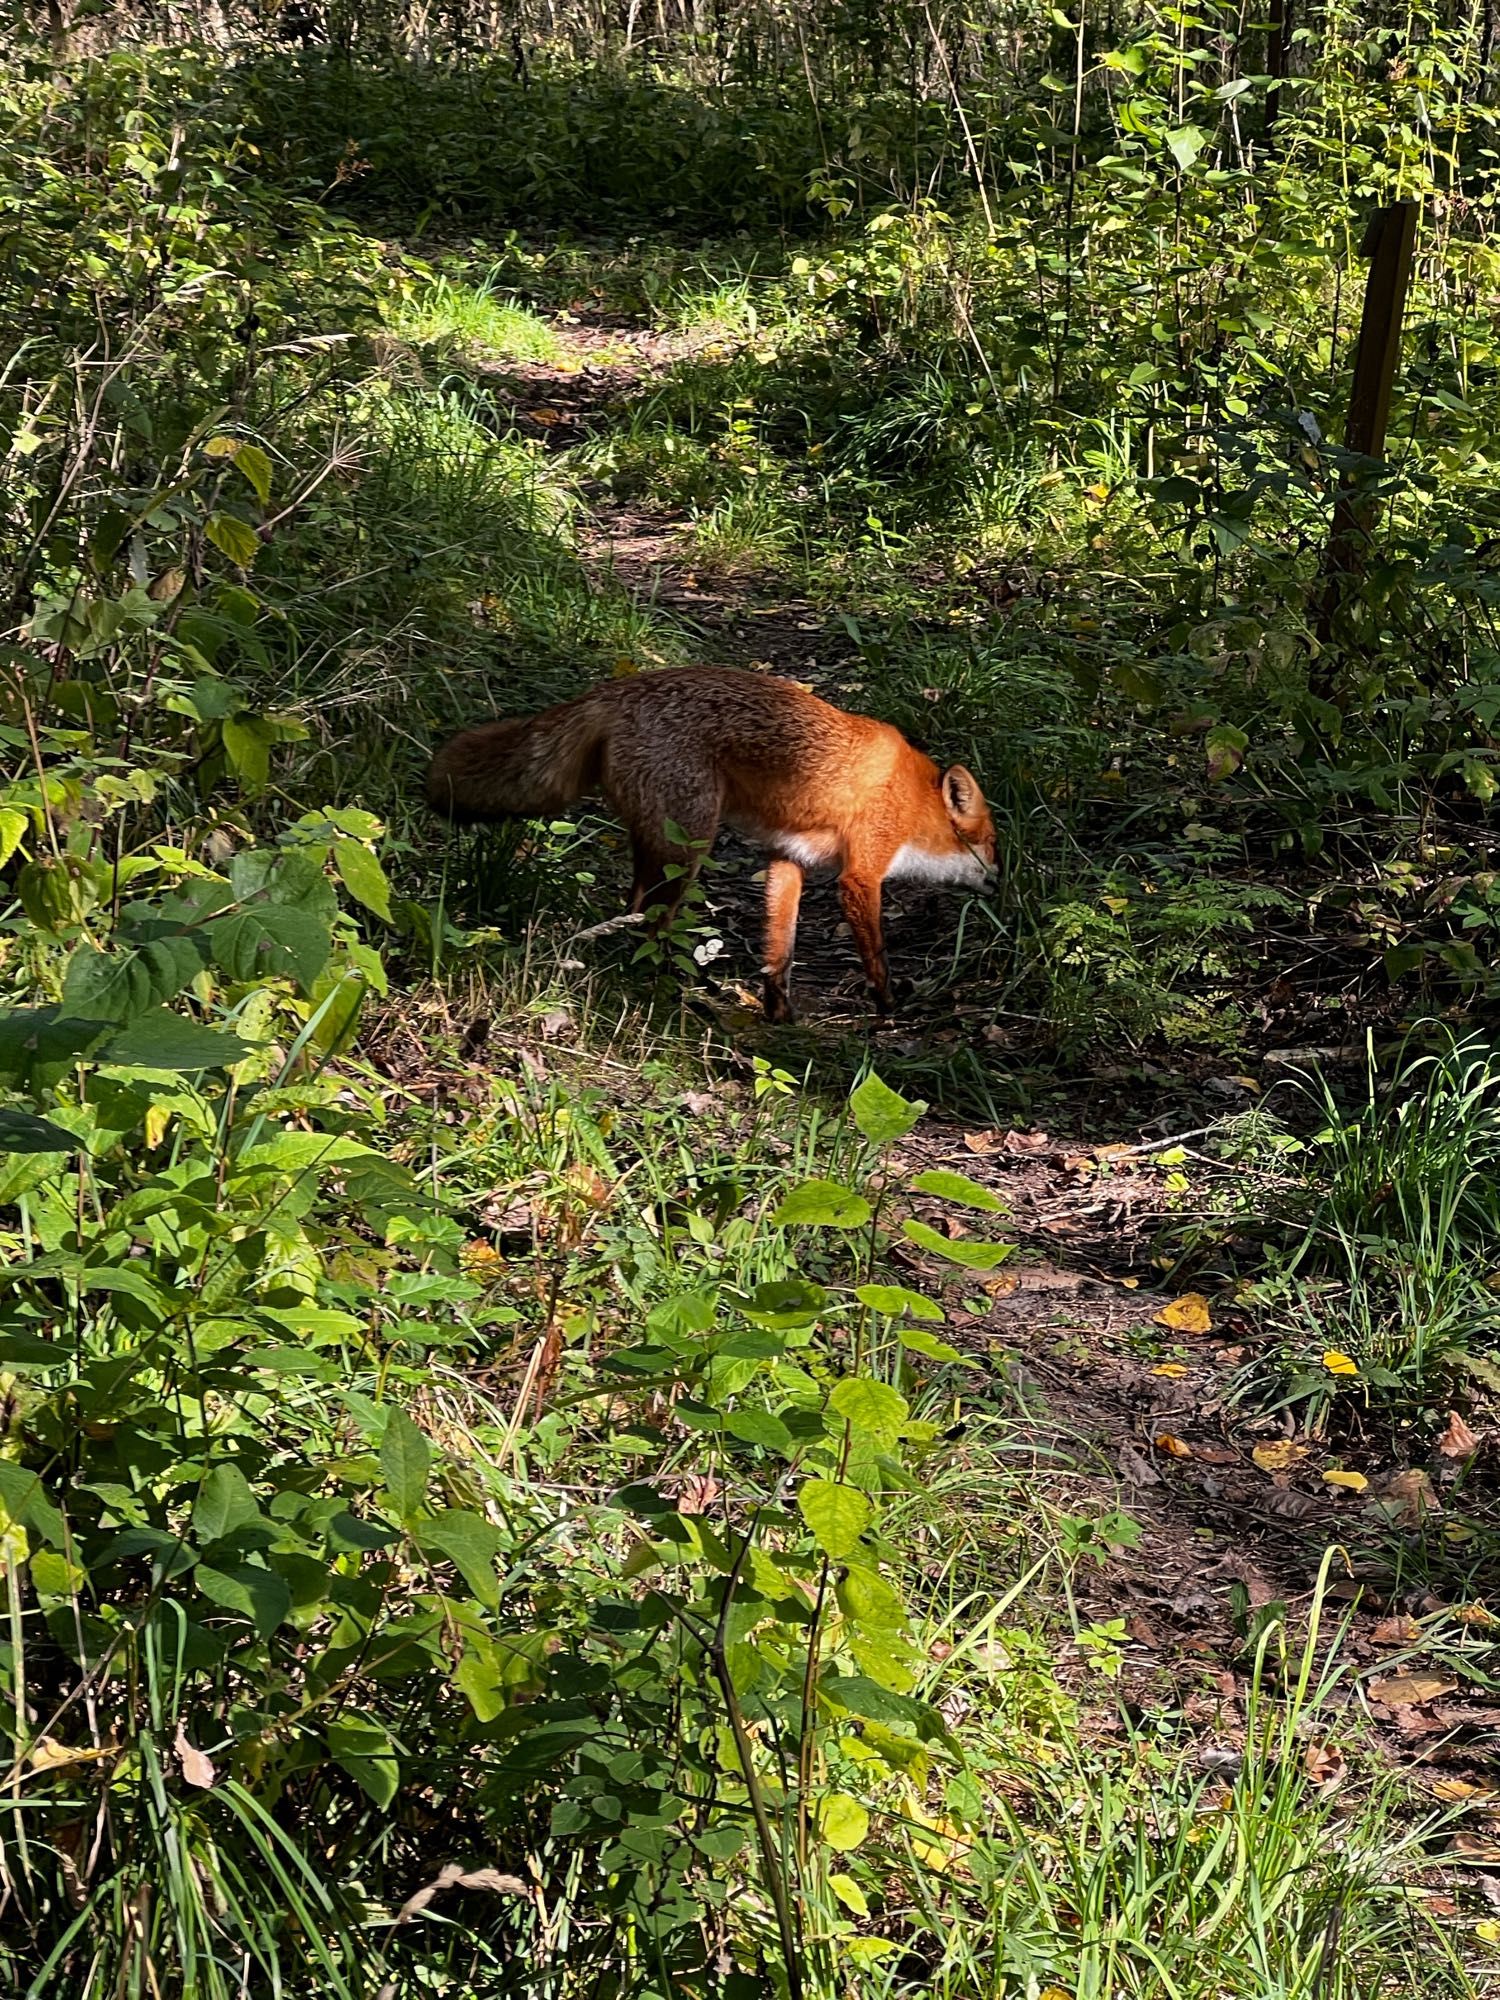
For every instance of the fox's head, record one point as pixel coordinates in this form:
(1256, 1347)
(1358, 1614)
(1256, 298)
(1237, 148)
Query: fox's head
(973, 828)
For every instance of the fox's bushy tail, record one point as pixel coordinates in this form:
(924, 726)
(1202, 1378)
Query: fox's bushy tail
(524, 768)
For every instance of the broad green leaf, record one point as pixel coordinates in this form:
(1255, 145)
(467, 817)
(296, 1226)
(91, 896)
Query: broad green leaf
(759, 1427)
(886, 1658)
(24, 1499)
(469, 1542)
(270, 941)
(870, 1406)
(117, 986)
(257, 1594)
(236, 538)
(867, 1598)
(363, 877)
(296, 880)
(161, 1039)
(784, 1304)
(256, 466)
(23, 1132)
(825, 1204)
(405, 1459)
(247, 744)
(224, 1503)
(837, 1515)
(958, 1187)
(896, 1300)
(361, 1746)
(958, 1250)
(1186, 143)
(842, 1822)
(881, 1113)
(917, 1342)
(13, 827)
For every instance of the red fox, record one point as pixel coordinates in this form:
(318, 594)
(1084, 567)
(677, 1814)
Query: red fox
(819, 788)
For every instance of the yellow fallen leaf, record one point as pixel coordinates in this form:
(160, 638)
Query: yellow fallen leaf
(1054, 1993)
(1189, 1314)
(1277, 1456)
(546, 417)
(1172, 1368)
(1339, 1364)
(1129, 1284)
(47, 1754)
(1354, 1481)
(1407, 1690)
(1173, 1446)
(1455, 1790)
(1488, 1928)
(1473, 1614)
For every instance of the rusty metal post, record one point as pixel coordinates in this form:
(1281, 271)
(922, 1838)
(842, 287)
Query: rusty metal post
(1389, 244)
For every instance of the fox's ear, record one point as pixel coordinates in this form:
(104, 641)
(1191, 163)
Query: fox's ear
(961, 794)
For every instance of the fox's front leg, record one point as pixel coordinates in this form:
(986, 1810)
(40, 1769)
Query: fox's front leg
(860, 897)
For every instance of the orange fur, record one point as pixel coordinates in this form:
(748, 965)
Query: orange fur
(704, 746)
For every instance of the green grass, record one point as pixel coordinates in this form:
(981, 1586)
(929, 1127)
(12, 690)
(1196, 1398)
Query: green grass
(471, 318)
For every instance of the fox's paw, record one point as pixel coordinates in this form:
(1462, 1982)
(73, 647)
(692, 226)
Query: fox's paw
(778, 1007)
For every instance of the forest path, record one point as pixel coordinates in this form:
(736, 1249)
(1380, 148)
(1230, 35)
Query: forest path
(1112, 1410)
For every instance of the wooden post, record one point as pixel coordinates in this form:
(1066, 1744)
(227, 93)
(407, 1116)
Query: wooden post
(1389, 243)
(1278, 66)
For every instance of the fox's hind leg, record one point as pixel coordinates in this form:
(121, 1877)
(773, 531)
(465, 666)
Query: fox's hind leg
(666, 868)
(783, 899)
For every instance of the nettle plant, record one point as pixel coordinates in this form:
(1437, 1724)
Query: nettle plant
(765, 1683)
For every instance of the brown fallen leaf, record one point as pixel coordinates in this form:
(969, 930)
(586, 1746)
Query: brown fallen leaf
(1278, 1455)
(1478, 1849)
(1324, 1765)
(1215, 1454)
(1409, 1494)
(197, 1769)
(1189, 1314)
(1457, 1441)
(1411, 1690)
(1137, 1470)
(1397, 1632)
(1473, 1614)
(986, 1142)
(1173, 1446)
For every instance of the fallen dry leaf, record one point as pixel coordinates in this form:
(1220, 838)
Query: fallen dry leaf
(1189, 1314)
(1455, 1790)
(1338, 1363)
(1397, 1632)
(1473, 1614)
(1173, 1446)
(1172, 1368)
(985, 1142)
(47, 1754)
(1457, 1441)
(1353, 1482)
(1411, 1492)
(1411, 1690)
(1215, 1454)
(545, 417)
(1279, 1454)
(1478, 1849)
(1324, 1765)
(1137, 1469)
(197, 1769)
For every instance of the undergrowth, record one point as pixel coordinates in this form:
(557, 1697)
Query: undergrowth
(487, 1502)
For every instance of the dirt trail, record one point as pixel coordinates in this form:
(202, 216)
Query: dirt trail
(1119, 1410)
